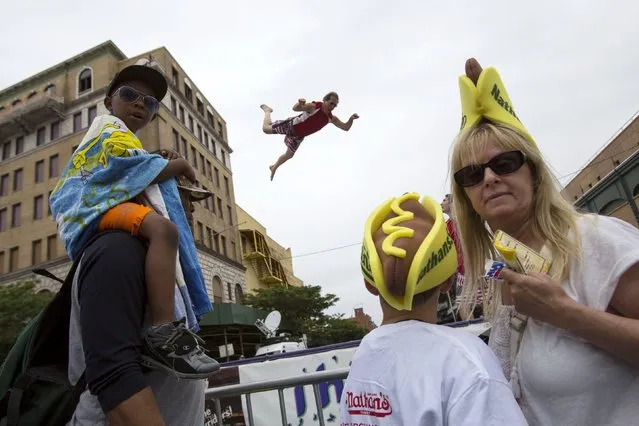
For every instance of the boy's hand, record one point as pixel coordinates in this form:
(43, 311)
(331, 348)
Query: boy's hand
(189, 172)
(169, 154)
(354, 117)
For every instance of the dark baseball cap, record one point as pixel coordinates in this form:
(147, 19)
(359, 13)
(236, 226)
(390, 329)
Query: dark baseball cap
(145, 74)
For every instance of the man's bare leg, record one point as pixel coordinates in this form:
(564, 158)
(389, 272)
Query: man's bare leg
(283, 159)
(266, 124)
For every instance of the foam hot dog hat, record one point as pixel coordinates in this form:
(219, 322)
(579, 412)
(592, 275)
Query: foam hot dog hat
(484, 96)
(406, 250)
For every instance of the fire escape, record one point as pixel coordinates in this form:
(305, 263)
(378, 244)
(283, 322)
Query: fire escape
(268, 269)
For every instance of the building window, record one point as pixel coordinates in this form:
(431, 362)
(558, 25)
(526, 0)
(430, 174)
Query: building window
(227, 186)
(39, 171)
(219, 129)
(84, 80)
(31, 95)
(17, 180)
(199, 133)
(36, 252)
(182, 119)
(55, 130)
(4, 222)
(216, 237)
(1, 262)
(188, 93)
(239, 294)
(93, 112)
(16, 102)
(50, 89)
(174, 106)
(49, 203)
(194, 157)
(209, 236)
(38, 207)
(191, 128)
(202, 164)
(174, 76)
(16, 213)
(208, 170)
(217, 289)
(200, 232)
(229, 212)
(223, 243)
(40, 137)
(14, 254)
(6, 150)
(4, 185)
(184, 152)
(176, 141)
(217, 177)
(52, 247)
(53, 166)
(229, 291)
(233, 252)
(209, 117)
(200, 107)
(19, 145)
(223, 155)
(77, 121)
(219, 207)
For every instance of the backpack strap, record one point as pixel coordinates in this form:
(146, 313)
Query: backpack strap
(15, 398)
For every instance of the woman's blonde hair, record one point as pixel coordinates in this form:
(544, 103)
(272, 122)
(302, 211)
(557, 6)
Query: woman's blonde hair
(553, 217)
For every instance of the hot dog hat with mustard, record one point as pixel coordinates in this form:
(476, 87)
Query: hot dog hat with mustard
(484, 96)
(406, 249)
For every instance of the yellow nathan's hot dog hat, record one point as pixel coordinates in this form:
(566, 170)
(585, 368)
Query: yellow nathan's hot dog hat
(486, 97)
(406, 249)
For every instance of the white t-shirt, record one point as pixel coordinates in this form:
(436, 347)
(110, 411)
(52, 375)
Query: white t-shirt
(565, 380)
(414, 373)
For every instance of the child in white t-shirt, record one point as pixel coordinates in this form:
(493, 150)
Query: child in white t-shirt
(410, 371)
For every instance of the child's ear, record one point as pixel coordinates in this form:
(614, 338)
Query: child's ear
(372, 290)
(108, 103)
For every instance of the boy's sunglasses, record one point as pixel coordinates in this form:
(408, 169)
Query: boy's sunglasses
(502, 164)
(130, 95)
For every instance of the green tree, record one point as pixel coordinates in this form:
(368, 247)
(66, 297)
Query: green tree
(336, 329)
(303, 312)
(18, 305)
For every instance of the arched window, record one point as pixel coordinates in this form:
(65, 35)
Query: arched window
(50, 88)
(239, 294)
(85, 80)
(31, 95)
(611, 206)
(217, 290)
(16, 102)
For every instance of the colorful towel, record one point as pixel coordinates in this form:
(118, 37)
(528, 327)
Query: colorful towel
(110, 167)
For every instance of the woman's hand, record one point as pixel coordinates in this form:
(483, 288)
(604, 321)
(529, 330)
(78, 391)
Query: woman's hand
(538, 296)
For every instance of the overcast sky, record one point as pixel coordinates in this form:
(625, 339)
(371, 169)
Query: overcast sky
(569, 66)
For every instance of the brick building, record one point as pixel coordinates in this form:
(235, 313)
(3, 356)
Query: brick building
(609, 183)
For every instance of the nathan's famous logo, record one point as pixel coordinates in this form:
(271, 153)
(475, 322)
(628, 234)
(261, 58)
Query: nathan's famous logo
(464, 120)
(496, 94)
(436, 257)
(368, 404)
(366, 264)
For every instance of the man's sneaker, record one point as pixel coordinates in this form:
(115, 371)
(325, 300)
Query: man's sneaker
(173, 347)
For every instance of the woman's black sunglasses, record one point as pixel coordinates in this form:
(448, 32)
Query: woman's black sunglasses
(130, 95)
(502, 164)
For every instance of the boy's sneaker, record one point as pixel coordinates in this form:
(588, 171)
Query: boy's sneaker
(173, 347)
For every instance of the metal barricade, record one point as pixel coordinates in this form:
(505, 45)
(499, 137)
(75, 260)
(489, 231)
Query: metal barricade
(279, 385)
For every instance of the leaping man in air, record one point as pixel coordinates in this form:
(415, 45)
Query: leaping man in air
(314, 116)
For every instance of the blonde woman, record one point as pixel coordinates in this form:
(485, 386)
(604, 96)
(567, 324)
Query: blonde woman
(574, 359)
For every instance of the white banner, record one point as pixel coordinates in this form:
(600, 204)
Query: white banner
(299, 401)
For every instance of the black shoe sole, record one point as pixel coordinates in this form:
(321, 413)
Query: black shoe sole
(154, 364)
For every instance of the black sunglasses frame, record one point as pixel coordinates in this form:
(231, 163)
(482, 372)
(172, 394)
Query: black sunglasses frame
(144, 97)
(461, 176)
